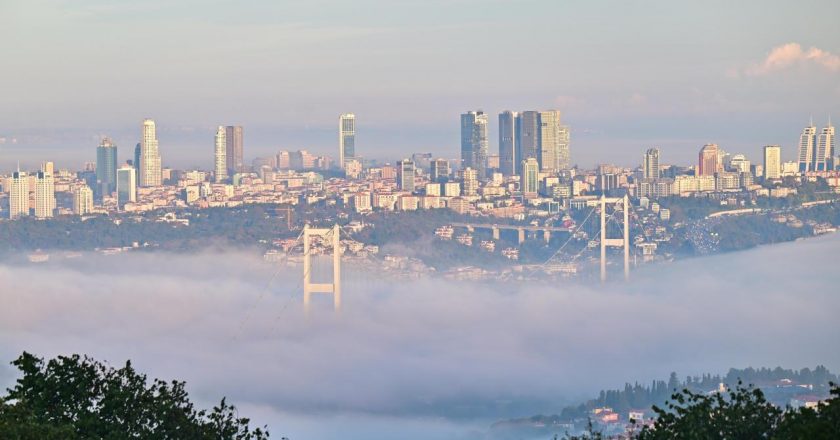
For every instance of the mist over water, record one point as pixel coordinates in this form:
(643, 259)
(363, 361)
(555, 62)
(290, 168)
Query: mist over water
(420, 359)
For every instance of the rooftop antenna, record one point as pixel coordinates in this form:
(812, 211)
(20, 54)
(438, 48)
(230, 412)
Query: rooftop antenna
(811, 121)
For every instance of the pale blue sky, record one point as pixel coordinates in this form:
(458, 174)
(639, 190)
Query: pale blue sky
(626, 74)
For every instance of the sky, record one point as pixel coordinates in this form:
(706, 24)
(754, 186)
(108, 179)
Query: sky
(627, 75)
(426, 359)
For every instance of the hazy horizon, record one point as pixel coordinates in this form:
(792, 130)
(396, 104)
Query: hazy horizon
(627, 76)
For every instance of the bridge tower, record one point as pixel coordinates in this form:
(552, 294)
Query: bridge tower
(623, 242)
(328, 234)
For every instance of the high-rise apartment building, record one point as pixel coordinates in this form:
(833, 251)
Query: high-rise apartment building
(19, 195)
(508, 135)
(650, 166)
(439, 170)
(530, 177)
(220, 155)
(346, 138)
(82, 200)
(824, 158)
(708, 161)
(474, 141)
(405, 175)
(150, 172)
(234, 150)
(126, 185)
(528, 144)
(470, 181)
(106, 167)
(772, 162)
(45, 192)
(807, 148)
(553, 142)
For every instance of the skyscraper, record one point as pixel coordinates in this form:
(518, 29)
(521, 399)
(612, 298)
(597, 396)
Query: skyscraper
(528, 143)
(126, 185)
(708, 160)
(19, 195)
(45, 192)
(150, 174)
(346, 138)
(553, 142)
(508, 134)
(82, 200)
(650, 166)
(772, 162)
(439, 170)
(824, 159)
(405, 175)
(807, 148)
(136, 162)
(220, 156)
(530, 177)
(234, 149)
(106, 166)
(474, 141)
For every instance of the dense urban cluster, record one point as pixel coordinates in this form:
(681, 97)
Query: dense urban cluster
(530, 186)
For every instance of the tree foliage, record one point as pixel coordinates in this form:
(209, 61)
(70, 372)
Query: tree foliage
(73, 397)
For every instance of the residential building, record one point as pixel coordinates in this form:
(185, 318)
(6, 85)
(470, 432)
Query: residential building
(19, 195)
(126, 185)
(45, 192)
(708, 163)
(474, 141)
(405, 175)
(508, 148)
(83, 200)
(807, 148)
(824, 158)
(220, 155)
(150, 173)
(346, 138)
(530, 178)
(772, 162)
(106, 167)
(234, 150)
(650, 166)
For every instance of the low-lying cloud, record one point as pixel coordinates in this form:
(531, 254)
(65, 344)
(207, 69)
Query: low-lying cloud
(409, 350)
(792, 54)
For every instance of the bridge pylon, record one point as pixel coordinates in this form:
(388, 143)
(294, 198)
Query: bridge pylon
(333, 235)
(623, 242)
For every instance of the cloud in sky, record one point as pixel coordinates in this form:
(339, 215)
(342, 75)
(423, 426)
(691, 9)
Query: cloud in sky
(792, 54)
(420, 349)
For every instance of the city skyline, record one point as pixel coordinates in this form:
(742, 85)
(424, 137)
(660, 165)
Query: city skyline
(629, 88)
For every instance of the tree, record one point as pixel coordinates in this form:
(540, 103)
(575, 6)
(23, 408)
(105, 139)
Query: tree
(71, 397)
(742, 413)
(809, 423)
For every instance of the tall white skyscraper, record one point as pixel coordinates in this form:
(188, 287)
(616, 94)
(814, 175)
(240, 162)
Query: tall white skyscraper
(19, 195)
(650, 166)
(772, 162)
(508, 134)
(82, 200)
(45, 192)
(807, 148)
(346, 138)
(474, 142)
(150, 173)
(824, 160)
(221, 163)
